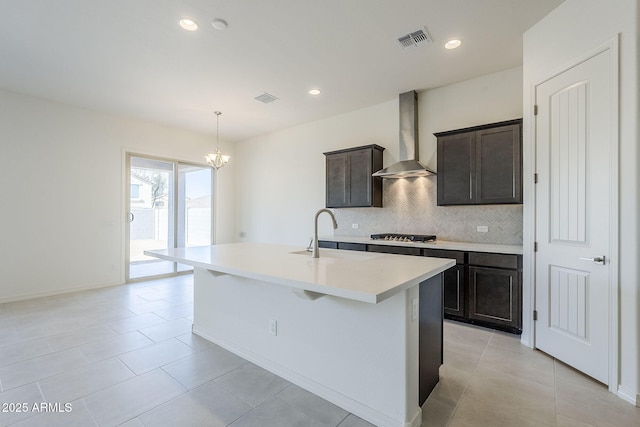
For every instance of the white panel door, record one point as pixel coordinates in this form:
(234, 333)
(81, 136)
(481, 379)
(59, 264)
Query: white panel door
(573, 152)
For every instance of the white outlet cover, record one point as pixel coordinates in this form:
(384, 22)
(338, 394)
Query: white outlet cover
(482, 229)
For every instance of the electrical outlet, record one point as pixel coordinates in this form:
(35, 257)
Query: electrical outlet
(414, 309)
(273, 327)
(355, 225)
(482, 229)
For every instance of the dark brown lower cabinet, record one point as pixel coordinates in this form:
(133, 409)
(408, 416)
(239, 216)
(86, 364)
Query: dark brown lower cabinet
(495, 290)
(454, 291)
(342, 245)
(352, 246)
(494, 296)
(328, 245)
(455, 282)
(398, 250)
(482, 288)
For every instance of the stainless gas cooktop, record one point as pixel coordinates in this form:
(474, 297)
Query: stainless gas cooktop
(404, 237)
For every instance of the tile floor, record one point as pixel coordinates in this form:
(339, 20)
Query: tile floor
(125, 356)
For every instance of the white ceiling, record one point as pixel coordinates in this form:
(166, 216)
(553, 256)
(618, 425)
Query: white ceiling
(131, 57)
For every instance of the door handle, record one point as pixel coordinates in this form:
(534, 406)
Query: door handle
(131, 217)
(598, 260)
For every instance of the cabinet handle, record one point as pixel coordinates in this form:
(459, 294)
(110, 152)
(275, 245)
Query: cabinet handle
(470, 187)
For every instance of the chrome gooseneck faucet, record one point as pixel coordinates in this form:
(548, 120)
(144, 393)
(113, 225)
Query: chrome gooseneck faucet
(316, 252)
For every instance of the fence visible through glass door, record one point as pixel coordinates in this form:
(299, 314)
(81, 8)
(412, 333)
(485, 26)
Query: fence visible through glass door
(169, 206)
(194, 208)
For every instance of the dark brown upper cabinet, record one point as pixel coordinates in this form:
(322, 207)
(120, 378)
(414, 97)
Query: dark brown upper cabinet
(349, 180)
(480, 165)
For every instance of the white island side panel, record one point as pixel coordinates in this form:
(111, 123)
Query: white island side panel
(362, 357)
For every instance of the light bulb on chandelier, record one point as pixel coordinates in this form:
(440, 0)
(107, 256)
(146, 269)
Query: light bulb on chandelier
(217, 159)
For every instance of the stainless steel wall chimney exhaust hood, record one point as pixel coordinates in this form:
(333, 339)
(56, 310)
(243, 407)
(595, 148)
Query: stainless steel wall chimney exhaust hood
(408, 166)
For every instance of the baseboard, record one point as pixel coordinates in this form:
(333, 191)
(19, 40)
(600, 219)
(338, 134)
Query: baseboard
(365, 412)
(525, 342)
(629, 396)
(417, 419)
(55, 292)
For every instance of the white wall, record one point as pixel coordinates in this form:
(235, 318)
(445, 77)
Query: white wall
(281, 176)
(62, 175)
(488, 99)
(572, 30)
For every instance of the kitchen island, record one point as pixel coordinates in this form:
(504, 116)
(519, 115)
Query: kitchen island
(362, 330)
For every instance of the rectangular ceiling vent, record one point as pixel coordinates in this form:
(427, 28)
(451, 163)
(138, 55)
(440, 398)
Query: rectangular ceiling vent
(266, 98)
(414, 39)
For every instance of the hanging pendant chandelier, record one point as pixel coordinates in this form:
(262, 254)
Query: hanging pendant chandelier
(217, 159)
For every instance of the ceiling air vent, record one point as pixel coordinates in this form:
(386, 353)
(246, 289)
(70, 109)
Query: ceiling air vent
(414, 39)
(266, 98)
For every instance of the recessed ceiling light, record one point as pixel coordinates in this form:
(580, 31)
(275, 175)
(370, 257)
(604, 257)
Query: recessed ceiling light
(188, 24)
(452, 44)
(314, 92)
(219, 24)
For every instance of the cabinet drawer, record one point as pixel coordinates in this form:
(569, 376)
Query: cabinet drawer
(401, 250)
(440, 253)
(327, 244)
(352, 246)
(494, 260)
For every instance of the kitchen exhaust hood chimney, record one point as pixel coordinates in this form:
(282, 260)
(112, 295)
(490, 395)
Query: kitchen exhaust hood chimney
(408, 166)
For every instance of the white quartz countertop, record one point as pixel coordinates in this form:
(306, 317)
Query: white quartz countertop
(438, 244)
(362, 276)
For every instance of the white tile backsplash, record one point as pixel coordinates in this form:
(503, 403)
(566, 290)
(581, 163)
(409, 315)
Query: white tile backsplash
(410, 206)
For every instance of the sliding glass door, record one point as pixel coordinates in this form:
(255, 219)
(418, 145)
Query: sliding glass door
(194, 219)
(169, 205)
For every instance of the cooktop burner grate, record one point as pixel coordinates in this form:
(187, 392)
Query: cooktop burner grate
(404, 237)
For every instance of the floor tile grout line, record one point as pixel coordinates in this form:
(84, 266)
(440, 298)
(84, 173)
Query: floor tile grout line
(473, 373)
(489, 346)
(88, 411)
(231, 392)
(51, 377)
(137, 415)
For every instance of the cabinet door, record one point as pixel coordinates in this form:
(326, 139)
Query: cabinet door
(349, 180)
(494, 296)
(454, 295)
(360, 179)
(456, 169)
(498, 165)
(453, 280)
(337, 168)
